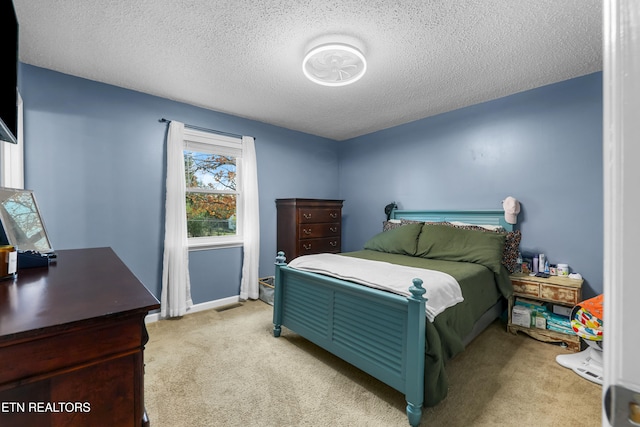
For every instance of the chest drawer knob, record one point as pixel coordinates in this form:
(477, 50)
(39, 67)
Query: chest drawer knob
(306, 215)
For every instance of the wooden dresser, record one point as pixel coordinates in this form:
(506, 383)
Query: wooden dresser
(555, 290)
(71, 343)
(309, 226)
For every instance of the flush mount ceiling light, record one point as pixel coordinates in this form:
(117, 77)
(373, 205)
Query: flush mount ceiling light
(335, 64)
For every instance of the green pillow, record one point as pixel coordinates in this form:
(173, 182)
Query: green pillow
(457, 244)
(401, 240)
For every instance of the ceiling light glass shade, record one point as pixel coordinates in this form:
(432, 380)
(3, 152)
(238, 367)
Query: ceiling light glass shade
(334, 64)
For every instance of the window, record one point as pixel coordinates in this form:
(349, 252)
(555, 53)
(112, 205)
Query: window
(213, 196)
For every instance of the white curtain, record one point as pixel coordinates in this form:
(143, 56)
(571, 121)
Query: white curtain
(251, 218)
(176, 288)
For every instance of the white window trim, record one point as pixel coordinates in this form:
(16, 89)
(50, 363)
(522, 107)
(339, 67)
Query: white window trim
(202, 141)
(12, 157)
(220, 243)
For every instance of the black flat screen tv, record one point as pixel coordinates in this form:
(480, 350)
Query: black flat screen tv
(9, 79)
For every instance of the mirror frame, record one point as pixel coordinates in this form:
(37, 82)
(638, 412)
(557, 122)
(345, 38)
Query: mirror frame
(9, 231)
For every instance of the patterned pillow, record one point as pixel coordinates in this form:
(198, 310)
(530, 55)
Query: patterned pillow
(410, 221)
(511, 250)
(394, 223)
(390, 225)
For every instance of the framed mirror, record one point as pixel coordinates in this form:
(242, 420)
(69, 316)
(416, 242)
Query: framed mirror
(22, 224)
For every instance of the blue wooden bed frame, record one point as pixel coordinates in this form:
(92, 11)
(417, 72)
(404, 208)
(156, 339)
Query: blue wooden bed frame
(379, 332)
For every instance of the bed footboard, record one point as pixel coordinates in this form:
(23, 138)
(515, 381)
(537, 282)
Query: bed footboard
(379, 332)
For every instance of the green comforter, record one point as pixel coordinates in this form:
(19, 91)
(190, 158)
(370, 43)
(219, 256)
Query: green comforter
(481, 289)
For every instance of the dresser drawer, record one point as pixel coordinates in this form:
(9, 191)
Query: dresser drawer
(560, 294)
(526, 288)
(316, 246)
(312, 231)
(315, 215)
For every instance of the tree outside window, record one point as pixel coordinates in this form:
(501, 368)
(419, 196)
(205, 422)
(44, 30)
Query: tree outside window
(211, 194)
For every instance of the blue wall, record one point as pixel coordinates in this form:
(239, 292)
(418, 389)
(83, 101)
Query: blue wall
(95, 157)
(542, 146)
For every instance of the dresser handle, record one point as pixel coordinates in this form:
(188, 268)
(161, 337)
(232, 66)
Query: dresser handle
(306, 231)
(333, 215)
(306, 247)
(306, 215)
(333, 229)
(334, 244)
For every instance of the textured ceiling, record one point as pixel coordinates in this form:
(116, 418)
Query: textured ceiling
(244, 57)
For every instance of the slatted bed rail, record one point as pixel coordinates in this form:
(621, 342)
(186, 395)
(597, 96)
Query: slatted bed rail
(379, 332)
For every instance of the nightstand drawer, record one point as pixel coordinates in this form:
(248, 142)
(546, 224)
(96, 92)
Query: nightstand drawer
(526, 288)
(558, 293)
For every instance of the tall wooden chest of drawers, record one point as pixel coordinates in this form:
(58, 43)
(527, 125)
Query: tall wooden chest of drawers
(309, 226)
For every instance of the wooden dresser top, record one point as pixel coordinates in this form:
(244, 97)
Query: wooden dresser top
(81, 284)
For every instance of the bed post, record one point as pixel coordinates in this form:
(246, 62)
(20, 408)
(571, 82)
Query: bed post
(416, 318)
(277, 295)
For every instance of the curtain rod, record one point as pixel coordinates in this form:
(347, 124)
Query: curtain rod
(219, 132)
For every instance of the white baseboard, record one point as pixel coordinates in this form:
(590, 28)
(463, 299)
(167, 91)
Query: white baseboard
(154, 317)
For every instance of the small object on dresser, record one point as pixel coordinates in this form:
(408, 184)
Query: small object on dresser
(563, 269)
(8, 262)
(519, 263)
(542, 259)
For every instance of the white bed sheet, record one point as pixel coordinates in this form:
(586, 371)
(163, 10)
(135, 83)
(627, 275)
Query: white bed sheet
(442, 290)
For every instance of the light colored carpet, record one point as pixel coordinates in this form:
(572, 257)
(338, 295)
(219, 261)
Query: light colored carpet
(225, 368)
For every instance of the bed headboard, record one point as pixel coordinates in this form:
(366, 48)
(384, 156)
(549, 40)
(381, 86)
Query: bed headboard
(491, 217)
